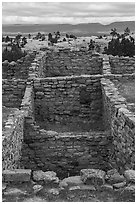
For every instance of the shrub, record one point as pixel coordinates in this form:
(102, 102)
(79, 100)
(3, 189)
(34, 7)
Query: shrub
(64, 39)
(124, 47)
(13, 55)
(121, 45)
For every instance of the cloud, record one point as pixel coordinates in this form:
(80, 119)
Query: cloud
(69, 12)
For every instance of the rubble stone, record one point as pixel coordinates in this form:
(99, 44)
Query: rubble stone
(48, 176)
(92, 176)
(113, 177)
(130, 175)
(71, 181)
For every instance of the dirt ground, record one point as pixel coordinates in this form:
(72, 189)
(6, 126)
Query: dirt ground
(127, 90)
(25, 193)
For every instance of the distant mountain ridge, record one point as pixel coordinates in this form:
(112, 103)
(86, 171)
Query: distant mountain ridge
(83, 29)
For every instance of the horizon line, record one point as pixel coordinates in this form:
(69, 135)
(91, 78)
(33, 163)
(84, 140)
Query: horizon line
(65, 23)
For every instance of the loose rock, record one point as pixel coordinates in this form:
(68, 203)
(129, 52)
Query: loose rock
(106, 187)
(113, 177)
(4, 185)
(119, 185)
(14, 191)
(37, 188)
(54, 191)
(70, 181)
(130, 175)
(47, 177)
(92, 176)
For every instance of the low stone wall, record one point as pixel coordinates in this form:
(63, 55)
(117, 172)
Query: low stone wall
(41, 61)
(13, 132)
(13, 92)
(67, 63)
(28, 101)
(65, 152)
(12, 140)
(122, 124)
(122, 65)
(68, 99)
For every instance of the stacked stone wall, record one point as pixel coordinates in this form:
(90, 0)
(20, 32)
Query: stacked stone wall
(68, 99)
(12, 139)
(13, 92)
(122, 65)
(41, 61)
(14, 130)
(64, 99)
(65, 152)
(122, 124)
(67, 63)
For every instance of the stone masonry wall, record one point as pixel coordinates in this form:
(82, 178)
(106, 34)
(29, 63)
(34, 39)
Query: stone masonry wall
(12, 139)
(17, 93)
(61, 99)
(68, 99)
(67, 63)
(65, 152)
(13, 92)
(13, 133)
(122, 124)
(122, 65)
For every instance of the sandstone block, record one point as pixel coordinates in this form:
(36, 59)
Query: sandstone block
(92, 176)
(47, 177)
(73, 188)
(106, 187)
(130, 175)
(16, 175)
(113, 177)
(6, 63)
(119, 185)
(71, 181)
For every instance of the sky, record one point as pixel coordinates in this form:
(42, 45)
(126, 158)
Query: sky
(66, 12)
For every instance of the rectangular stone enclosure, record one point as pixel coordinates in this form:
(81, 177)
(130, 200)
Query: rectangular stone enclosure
(68, 116)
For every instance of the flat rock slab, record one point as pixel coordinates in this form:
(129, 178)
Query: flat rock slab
(71, 181)
(16, 175)
(119, 185)
(130, 175)
(92, 176)
(106, 187)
